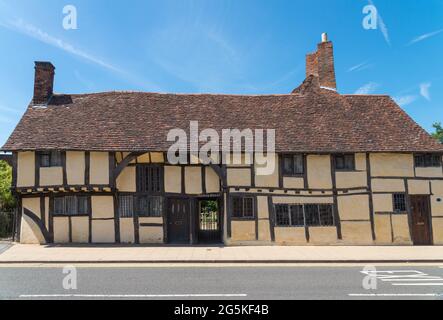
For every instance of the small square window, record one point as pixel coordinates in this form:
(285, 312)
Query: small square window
(345, 162)
(293, 164)
(50, 159)
(399, 200)
(243, 207)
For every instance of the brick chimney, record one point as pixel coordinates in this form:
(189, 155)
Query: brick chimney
(321, 64)
(43, 82)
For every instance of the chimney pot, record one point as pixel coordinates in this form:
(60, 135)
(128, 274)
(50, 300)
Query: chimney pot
(43, 82)
(324, 37)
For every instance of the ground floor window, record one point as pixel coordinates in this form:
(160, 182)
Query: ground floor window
(399, 201)
(126, 206)
(311, 215)
(243, 207)
(143, 205)
(71, 205)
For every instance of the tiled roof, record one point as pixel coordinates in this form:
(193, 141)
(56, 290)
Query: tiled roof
(311, 119)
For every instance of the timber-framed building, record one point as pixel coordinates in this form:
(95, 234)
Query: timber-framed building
(351, 169)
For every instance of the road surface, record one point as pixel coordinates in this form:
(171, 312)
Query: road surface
(220, 282)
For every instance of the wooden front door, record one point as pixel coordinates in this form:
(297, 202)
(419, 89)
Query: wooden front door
(178, 221)
(421, 220)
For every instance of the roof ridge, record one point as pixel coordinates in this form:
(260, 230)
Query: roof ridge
(178, 94)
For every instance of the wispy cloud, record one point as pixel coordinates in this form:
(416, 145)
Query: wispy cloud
(28, 29)
(381, 24)
(10, 110)
(360, 67)
(367, 88)
(19, 25)
(405, 100)
(424, 37)
(425, 90)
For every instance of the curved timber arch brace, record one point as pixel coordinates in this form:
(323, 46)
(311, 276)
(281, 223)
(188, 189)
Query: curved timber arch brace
(39, 223)
(125, 162)
(221, 172)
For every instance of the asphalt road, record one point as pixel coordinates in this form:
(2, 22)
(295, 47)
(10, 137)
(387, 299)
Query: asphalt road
(215, 282)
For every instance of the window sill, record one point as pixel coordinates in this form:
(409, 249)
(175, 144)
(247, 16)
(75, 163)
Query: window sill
(292, 227)
(242, 219)
(70, 215)
(430, 167)
(322, 226)
(399, 213)
(298, 175)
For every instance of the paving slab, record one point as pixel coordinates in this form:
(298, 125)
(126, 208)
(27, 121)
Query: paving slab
(20, 253)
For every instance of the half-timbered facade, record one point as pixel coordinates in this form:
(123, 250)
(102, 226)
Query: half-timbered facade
(350, 170)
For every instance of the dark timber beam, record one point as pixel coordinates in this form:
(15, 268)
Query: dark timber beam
(126, 161)
(220, 172)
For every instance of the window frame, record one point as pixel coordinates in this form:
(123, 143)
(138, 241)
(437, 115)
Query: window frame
(52, 155)
(425, 163)
(148, 214)
(344, 156)
(293, 156)
(399, 211)
(304, 206)
(243, 198)
(131, 208)
(142, 176)
(77, 199)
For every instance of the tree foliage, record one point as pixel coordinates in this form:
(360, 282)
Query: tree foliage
(438, 134)
(7, 201)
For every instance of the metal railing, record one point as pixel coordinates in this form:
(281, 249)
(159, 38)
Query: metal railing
(6, 224)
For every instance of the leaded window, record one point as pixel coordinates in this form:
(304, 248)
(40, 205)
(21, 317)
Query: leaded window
(311, 215)
(71, 205)
(293, 164)
(243, 207)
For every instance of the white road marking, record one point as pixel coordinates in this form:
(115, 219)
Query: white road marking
(412, 280)
(405, 277)
(417, 284)
(395, 295)
(188, 295)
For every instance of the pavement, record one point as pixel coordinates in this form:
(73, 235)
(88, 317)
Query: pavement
(4, 246)
(220, 282)
(19, 253)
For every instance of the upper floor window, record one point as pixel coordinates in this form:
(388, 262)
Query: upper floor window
(71, 205)
(149, 179)
(427, 160)
(243, 207)
(293, 164)
(50, 159)
(345, 162)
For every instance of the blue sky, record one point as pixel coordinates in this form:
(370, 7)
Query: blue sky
(221, 46)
